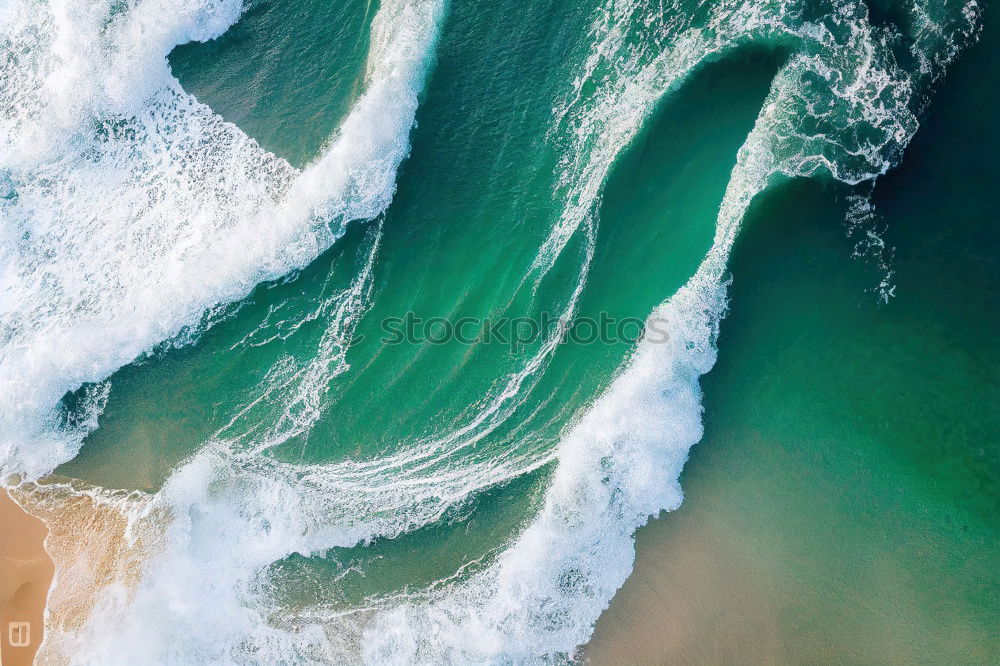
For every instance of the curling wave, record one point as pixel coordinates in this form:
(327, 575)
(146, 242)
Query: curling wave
(844, 105)
(129, 208)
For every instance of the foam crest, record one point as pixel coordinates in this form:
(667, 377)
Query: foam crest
(840, 107)
(131, 208)
(617, 466)
(621, 463)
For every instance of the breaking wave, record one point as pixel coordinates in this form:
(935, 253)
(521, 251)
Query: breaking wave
(129, 208)
(844, 105)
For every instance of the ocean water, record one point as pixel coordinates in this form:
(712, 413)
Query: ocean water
(211, 211)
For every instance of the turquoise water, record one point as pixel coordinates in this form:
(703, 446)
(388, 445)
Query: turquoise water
(841, 506)
(210, 237)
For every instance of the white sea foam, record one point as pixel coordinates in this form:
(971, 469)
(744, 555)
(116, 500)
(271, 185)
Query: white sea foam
(621, 463)
(228, 513)
(131, 208)
(617, 467)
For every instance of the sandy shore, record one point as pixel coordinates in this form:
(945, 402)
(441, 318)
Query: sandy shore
(25, 575)
(787, 561)
(692, 599)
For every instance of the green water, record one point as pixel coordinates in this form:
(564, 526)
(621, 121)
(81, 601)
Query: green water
(848, 474)
(850, 447)
(164, 408)
(273, 75)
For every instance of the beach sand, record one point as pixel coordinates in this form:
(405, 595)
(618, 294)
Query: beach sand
(25, 575)
(841, 507)
(725, 581)
(692, 599)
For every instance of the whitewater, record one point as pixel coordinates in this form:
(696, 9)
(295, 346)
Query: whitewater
(201, 214)
(103, 150)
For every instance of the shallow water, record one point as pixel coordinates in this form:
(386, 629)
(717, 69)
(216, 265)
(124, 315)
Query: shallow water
(219, 342)
(841, 507)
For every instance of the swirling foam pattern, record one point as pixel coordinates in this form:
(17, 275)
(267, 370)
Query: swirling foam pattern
(90, 282)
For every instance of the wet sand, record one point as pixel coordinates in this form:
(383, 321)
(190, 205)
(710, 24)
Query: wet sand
(25, 576)
(720, 582)
(691, 599)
